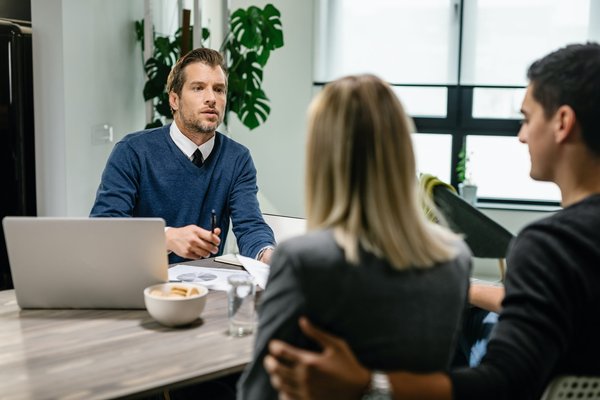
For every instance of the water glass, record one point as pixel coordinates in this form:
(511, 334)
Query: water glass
(241, 305)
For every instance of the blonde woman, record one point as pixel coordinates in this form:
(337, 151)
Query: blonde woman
(372, 270)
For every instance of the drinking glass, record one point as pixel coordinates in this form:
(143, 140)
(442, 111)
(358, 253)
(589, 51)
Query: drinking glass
(241, 305)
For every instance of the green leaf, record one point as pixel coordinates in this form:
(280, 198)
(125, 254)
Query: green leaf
(162, 105)
(156, 69)
(255, 109)
(151, 90)
(263, 56)
(166, 50)
(250, 71)
(139, 32)
(461, 166)
(245, 26)
(157, 72)
(235, 84)
(157, 123)
(272, 28)
(235, 91)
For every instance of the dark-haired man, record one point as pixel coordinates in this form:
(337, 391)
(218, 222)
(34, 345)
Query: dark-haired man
(183, 171)
(549, 323)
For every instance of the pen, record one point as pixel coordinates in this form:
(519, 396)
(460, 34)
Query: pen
(213, 221)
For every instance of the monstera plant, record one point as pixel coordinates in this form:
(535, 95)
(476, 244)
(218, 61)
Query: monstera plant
(253, 34)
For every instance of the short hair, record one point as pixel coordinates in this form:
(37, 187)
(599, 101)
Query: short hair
(361, 176)
(203, 55)
(571, 76)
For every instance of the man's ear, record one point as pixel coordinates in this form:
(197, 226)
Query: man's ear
(566, 122)
(173, 101)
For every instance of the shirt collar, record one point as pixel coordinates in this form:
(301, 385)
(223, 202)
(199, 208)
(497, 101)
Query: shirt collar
(187, 146)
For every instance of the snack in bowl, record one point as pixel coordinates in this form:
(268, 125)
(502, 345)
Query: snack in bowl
(176, 291)
(175, 304)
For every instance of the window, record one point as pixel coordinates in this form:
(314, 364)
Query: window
(432, 153)
(423, 101)
(499, 176)
(378, 37)
(502, 37)
(459, 67)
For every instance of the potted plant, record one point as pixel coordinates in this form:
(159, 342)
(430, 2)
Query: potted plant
(467, 188)
(253, 34)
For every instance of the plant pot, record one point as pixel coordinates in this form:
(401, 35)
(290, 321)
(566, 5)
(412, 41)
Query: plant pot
(468, 192)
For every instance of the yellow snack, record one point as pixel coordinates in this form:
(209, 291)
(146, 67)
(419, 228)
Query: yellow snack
(176, 291)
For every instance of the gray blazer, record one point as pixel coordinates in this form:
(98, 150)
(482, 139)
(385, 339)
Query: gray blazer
(391, 319)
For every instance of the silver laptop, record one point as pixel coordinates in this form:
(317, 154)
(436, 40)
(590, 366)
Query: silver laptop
(85, 262)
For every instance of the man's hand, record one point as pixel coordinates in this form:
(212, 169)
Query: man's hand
(299, 374)
(265, 257)
(192, 241)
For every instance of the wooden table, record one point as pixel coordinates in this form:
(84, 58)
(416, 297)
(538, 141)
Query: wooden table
(87, 354)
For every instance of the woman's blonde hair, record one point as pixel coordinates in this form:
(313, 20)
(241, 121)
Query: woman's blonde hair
(361, 179)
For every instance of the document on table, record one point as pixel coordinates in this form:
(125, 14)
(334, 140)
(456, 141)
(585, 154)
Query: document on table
(228, 259)
(212, 278)
(259, 270)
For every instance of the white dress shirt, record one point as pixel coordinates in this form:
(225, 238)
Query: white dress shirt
(187, 146)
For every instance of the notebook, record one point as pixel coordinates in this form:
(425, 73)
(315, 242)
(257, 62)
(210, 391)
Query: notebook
(85, 262)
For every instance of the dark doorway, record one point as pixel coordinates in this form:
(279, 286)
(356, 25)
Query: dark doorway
(17, 152)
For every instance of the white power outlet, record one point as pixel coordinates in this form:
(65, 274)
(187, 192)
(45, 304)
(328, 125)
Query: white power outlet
(102, 134)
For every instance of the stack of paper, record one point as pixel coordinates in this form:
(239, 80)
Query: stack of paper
(212, 278)
(259, 270)
(216, 278)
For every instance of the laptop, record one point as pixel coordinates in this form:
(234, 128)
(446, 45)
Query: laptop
(85, 262)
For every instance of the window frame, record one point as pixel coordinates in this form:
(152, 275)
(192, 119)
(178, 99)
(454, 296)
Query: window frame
(460, 123)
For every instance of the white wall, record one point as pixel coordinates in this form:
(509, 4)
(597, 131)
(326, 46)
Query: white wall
(87, 72)
(49, 107)
(278, 146)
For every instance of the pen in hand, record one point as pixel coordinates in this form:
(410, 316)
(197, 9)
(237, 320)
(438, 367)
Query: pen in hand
(213, 221)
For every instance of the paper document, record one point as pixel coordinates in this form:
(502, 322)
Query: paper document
(259, 270)
(228, 259)
(212, 278)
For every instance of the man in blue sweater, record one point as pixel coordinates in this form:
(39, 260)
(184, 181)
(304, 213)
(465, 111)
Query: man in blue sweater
(183, 171)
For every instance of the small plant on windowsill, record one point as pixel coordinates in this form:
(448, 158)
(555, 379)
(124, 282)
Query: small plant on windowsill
(466, 186)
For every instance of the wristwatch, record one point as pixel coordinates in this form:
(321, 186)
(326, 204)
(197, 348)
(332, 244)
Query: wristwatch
(260, 253)
(379, 388)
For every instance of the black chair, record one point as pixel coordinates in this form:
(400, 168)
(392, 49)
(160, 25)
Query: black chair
(485, 237)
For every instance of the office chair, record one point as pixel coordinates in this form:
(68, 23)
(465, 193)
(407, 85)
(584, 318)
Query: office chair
(573, 387)
(485, 237)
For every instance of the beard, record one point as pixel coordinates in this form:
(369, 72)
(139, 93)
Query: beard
(205, 127)
(195, 124)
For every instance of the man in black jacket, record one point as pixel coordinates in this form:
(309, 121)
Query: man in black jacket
(549, 323)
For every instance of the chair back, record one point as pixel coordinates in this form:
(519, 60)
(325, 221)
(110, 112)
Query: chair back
(285, 227)
(485, 237)
(573, 387)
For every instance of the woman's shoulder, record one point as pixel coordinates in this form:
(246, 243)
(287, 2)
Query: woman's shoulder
(460, 265)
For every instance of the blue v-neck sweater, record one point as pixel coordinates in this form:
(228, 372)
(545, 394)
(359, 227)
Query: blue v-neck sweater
(147, 175)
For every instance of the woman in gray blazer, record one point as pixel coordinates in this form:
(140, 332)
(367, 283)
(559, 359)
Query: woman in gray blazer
(372, 268)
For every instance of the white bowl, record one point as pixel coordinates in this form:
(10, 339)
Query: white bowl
(175, 311)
